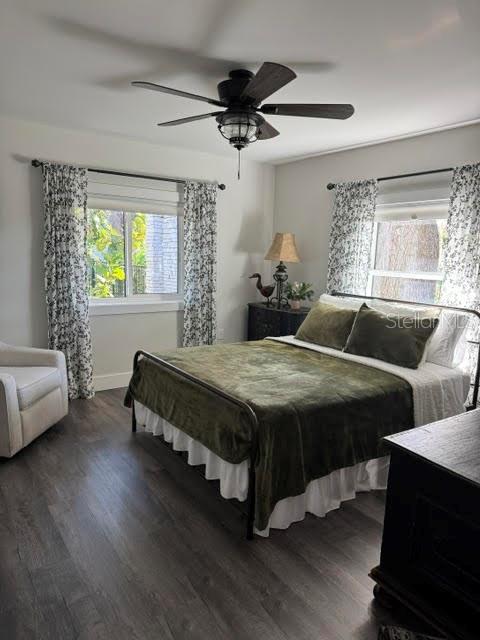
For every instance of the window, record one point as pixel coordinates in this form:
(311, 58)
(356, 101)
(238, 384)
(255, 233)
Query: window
(106, 253)
(131, 253)
(407, 253)
(134, 252)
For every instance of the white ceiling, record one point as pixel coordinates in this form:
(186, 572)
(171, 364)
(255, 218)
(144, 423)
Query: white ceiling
(406, 65)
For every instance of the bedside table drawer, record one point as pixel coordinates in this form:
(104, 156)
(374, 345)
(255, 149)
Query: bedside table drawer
(263, 323)
(266, 321)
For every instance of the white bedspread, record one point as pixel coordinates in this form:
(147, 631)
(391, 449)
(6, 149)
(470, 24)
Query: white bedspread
(438, 393)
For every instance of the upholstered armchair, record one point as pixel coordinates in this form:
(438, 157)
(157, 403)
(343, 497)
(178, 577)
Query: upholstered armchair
(33, 394)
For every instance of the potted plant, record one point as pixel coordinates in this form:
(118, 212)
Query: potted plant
(298, 291)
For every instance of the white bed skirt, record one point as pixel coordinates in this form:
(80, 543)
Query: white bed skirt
(322, 495)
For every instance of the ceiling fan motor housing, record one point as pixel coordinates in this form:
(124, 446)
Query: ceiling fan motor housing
(229, 91)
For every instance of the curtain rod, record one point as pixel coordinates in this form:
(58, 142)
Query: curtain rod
(332, 185)
(124, 174)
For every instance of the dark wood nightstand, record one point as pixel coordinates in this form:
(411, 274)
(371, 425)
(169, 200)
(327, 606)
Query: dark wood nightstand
(266, 320)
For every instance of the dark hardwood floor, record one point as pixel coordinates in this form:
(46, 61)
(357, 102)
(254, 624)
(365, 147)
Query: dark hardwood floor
(105, 534)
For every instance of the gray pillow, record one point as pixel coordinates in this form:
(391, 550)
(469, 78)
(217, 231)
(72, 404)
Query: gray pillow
(327, 325)
(393, 338)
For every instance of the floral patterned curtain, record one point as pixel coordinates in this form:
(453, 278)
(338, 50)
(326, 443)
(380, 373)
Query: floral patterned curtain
(65, 206)
(200, 260)
(351, 236)
(461, 286)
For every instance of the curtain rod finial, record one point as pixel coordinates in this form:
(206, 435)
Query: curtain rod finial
(222, 187)
(330, 186)
(36, 163)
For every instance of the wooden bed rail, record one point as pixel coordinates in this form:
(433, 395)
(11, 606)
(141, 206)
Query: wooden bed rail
(229, 398)
(474, 312)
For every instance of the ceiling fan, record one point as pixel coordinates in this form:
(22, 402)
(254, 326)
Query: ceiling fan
(242, 121)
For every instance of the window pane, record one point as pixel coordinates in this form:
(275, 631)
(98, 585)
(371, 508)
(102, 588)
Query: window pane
(409, 289)
(410, 245)
(154, 253)
(106, 253)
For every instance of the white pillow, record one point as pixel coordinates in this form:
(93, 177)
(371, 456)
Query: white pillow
(449, 341)
(343, 303)
(403, 309)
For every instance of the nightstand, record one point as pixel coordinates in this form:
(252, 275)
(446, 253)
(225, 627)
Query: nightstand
(266, 320)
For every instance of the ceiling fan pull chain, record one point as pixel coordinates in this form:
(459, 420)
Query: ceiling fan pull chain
(238, 173)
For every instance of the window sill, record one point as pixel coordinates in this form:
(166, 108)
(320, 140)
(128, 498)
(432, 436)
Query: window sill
(112, 308)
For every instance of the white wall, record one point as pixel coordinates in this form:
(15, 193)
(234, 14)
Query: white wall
(304, 206)
(245, 221)
(245, 213)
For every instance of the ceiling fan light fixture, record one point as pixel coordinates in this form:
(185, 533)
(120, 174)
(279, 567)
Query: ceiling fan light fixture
(241, 95)
(240, 128)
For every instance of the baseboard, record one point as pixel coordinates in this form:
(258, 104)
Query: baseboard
(111, 381)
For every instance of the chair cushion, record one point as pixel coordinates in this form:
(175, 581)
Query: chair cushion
(33, 382)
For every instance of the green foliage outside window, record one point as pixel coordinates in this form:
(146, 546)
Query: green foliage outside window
(139, 230)
(106, 250)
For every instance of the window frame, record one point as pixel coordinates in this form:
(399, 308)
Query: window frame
(157, 205)
(398, 212)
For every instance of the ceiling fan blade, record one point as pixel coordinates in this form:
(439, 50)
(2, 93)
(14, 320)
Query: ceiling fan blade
(269, 78)
(171, 123)
(266, 131)
(183, 94)
(337, 111)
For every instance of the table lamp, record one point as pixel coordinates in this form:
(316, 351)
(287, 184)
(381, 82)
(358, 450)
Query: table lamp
(283, 249)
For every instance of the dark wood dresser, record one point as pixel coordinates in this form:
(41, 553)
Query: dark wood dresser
(266, 320)
(430, 559)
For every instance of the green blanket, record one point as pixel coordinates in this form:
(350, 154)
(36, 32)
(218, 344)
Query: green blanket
(316, 413)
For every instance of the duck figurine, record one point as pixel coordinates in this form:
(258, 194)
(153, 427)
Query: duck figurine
(265, 290)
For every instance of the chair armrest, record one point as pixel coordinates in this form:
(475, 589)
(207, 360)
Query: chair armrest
(11, 356)
(11, 436)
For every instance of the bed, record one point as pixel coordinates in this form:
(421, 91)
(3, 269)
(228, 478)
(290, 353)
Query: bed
(287, 426)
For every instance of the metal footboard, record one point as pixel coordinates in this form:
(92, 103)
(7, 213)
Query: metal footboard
(229, 398)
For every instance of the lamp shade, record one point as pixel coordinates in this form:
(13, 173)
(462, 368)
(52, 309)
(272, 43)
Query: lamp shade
(283, 248)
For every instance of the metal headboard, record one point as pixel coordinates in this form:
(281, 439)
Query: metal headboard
(476, 382)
